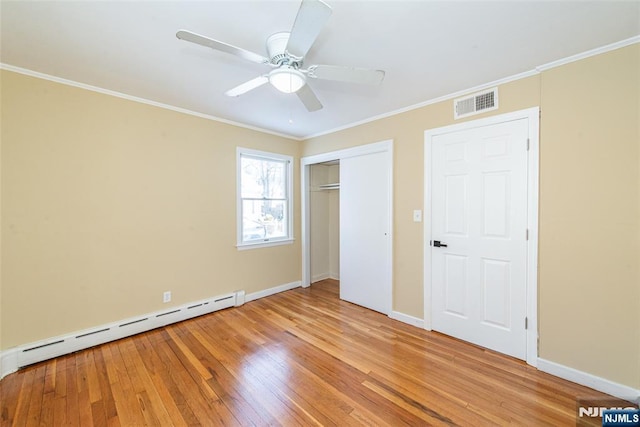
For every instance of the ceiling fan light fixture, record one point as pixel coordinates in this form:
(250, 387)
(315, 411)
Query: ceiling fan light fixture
(287, 80)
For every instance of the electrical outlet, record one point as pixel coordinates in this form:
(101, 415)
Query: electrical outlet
(166, 297)
(417, 216)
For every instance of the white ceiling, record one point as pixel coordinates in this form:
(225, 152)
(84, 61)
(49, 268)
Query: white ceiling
(427, 48)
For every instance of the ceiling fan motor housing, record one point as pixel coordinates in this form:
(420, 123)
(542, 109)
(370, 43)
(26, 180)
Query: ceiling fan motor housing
(277, 50)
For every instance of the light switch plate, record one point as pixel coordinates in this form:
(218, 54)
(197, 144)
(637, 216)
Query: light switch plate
(417, 216)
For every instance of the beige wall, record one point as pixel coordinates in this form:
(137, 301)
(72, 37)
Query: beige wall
(589, 283)
(106, 203)
(590, 217)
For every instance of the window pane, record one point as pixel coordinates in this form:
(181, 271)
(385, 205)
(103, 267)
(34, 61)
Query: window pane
(263, 178)
(263, 219)
(264, 209)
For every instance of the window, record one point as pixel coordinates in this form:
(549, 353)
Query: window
(264, 198)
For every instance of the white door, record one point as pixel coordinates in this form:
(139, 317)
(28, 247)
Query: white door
(365, 251)
(479, 232)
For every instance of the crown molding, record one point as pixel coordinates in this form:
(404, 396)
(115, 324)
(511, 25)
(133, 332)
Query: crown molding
(537, 70)
(589, 53)
(103, 91)
(429, 102)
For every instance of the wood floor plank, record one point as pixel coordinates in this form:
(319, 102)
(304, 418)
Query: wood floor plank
(427, 414)
(162, 381)
(230, 352)
(84, 393)
(226, 380)
(122, 388)
(64, 396)
(70, 397)
(301, 357)
(189, 384)
(108, 402)
(36, 396)
(13, 399)
(342, 381)
(150, 399)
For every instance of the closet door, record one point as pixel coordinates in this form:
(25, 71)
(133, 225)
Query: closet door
(365, 238)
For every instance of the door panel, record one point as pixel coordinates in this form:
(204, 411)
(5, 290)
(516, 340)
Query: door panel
(456, 285)
(364, 231)
(496, 292)
(456, 216)
(479, 210)
(495, 202)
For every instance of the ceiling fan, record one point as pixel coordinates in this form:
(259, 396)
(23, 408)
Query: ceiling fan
(286, 52)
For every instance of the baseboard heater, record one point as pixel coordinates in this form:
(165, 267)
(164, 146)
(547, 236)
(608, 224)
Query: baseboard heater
(58, 346)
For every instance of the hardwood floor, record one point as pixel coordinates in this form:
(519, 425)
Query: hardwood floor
(302, 357)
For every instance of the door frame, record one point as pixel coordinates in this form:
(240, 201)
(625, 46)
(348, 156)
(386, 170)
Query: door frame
(305, 163)
(533, 154)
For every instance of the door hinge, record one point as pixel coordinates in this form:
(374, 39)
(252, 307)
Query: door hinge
(526, 323)
(527, 234)
(528, 142)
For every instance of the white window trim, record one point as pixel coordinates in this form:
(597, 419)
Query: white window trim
(275, 241)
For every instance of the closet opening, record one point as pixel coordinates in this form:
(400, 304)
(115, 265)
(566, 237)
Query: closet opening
(347, 221)
(324, 221)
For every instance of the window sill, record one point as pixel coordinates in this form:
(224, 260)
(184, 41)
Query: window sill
(256, 245)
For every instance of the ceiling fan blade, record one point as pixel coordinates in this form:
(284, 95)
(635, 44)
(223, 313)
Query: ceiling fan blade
(346, 74)
(312, 16)
(247, 86)
(309, 99)
(218, 45)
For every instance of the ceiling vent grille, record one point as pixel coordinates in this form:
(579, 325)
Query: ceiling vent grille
(476, 103)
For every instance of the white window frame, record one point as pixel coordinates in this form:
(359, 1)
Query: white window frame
(288, 239)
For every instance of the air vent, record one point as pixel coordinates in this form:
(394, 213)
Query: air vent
(475, 103)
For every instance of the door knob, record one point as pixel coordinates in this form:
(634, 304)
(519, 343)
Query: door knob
(437, 244)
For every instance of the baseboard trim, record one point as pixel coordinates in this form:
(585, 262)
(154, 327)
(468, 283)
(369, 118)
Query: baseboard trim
(324, 276)
(8, 362)
(319, 277)
(14, 358)
(17, 357)
(405, 318)
(583, 378)
(272, 291)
